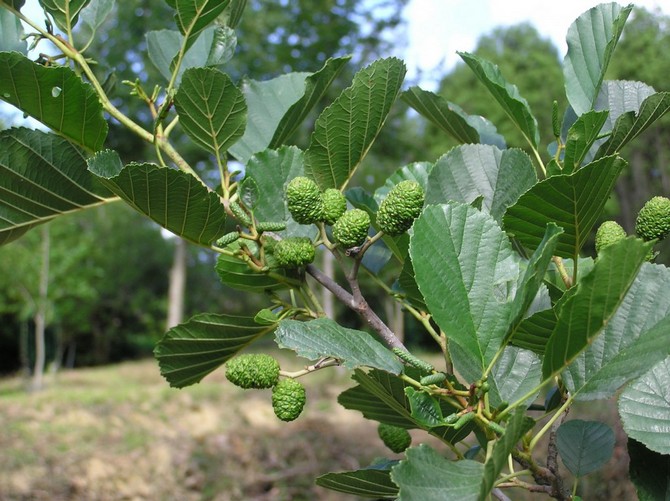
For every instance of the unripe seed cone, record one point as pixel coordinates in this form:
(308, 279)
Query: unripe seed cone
(288, 399)
(253, 371)
(395, 438)
(334, 205)
(304, 200)
(294, 252)
(351, 229)
(653, 220)
(400, 208)
(610, 232)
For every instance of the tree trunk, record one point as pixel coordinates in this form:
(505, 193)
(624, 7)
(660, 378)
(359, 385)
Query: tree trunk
(177, 289)
(40, 316)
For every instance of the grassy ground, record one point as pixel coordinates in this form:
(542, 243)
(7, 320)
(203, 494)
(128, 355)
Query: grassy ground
(120, 432)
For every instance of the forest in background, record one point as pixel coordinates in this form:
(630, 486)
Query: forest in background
(105, 283)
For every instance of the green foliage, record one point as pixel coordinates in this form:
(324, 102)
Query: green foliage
(253, 371)
(494, 269)
(288, 399)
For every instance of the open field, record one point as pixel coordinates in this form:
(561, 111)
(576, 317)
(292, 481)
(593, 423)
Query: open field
(120, 433)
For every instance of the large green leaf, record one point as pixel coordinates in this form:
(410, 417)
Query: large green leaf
(591, 40)
(572, 201)
(193, 16)
(516, 428)
(174, 199)
(649, 471)
(267, 103)
(636, 338)
(316, 86)
(211, 109)
(581, 137)
(369, 483)
(325, 338)
(452, 119)
(42, 176)
(190, 351)
(11, 32)
(506, 94)
(427, 476)
(644, 407)
(534, 332)
(584, 446)
(57, 97)
(64, 12)
(470, 171)
(590, 305)
(630, 124)
(471, 291)
(214, 46)
(514, 374)
(345, 131)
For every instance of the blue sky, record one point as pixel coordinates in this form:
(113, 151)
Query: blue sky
(438, 28)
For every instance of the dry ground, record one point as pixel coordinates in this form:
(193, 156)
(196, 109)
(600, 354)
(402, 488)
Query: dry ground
(120, 433)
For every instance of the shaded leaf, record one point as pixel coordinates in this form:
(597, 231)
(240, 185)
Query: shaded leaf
(591, 40)
(636, 338)
(175, 200)
(64, 12)
(506, 94)
(211, 109)
(325, 338)
(345, 130)
(96, 12)
(581, 137)
(42, 176)
(515, 373)
(630, 124)
(236, 274)
(190, 351)
(369, 483)
(316, 86)
(572, 201)
(470, 171)
(590, 305)
(57, 97)
(427, 476)
(584, 446)
(516, 428)
(11, 32)
(649, 472)
(267, 103)
(644, 407)
(193, 16)
(425, 408)
(534, 332)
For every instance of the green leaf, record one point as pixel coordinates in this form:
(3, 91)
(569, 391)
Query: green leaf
(345, 131)
(534, 332)
(236, 274)
(591, 40)
(514, 374)
(11, 32)
(175, 200)
(267, 103)
(57, 97)
(516, 428)
(368, 483)
(325, 338)
(190, 351)
(427, 476)
(214, 46)
(581, 137)
(425, 408)
(587, 310)
(469, 171)
(96, 12)
(64, 12)
(649, 472)
(42, 176)
(507, 96)
(447, 116)
(630, 124)
(572, 201)
(644, 407)
(193, 16)
(584, 446)
(471, 291)
(316, 86)
(211, 109)
(636, 338)
(379, 396)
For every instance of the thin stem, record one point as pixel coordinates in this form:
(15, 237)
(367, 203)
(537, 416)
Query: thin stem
(321, 364)
(558, 261)
(547, 426)
(525, 397)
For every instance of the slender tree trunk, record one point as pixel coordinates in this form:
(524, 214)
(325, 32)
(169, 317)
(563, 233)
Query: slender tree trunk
(41, 313)
(177, 289)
